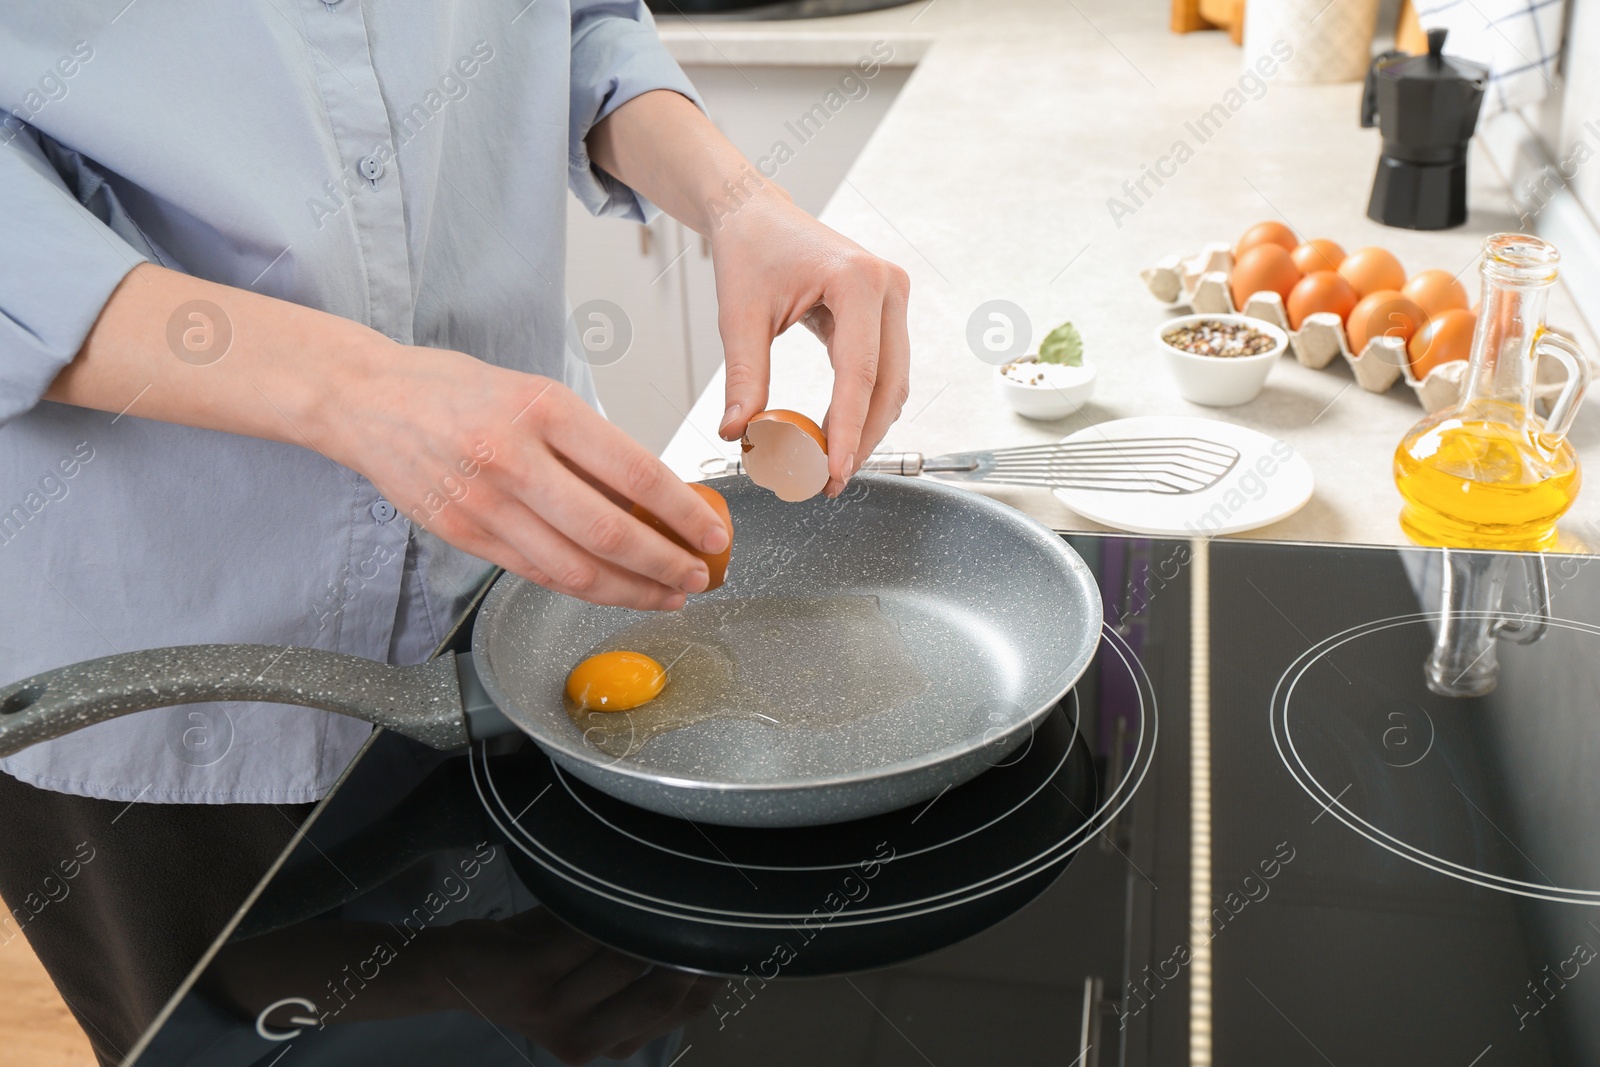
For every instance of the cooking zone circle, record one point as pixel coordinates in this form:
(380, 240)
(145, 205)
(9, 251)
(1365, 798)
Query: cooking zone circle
(744, 864)
(1403, 776)
(1070, 704)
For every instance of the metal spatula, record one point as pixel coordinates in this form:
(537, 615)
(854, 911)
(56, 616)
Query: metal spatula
(1171, 465)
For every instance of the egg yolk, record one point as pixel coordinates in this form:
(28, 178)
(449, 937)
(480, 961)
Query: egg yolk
(615, 681)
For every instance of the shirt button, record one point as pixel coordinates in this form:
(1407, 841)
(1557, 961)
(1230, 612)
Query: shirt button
(383, 511)
(371, 168)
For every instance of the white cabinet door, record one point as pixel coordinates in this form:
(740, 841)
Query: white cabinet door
(700, 311)
(647, 388)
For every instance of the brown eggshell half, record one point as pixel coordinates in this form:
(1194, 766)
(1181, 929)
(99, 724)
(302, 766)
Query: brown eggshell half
(787, 453)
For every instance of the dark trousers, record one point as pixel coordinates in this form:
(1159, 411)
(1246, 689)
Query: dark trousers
(119, 901)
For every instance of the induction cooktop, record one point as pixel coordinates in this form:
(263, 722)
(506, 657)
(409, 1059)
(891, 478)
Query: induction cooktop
(1265, 828)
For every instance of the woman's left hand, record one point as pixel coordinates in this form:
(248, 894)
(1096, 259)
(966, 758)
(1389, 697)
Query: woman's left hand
(776, 266)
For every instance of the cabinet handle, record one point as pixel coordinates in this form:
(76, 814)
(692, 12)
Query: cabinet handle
(644, 240)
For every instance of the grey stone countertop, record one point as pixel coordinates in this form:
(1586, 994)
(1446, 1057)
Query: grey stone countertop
(990, 177)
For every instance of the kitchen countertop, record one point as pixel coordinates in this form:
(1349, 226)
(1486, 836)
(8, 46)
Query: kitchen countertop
(989, 178)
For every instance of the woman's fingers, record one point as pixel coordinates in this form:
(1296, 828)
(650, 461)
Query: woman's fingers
(470, 537)
(553, 560)
(588, 441)
(894, 364)
(776, 265)
(530, 493)
(857, 303)
(747, 350)
(592, 520)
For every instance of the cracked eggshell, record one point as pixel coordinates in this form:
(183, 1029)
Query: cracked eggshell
(787, 453)
(1172, 280)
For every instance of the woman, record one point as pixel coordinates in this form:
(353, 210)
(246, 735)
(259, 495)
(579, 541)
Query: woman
(282, 360)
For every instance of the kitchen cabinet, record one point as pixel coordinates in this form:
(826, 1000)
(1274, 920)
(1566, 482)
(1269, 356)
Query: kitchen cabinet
(649, 387)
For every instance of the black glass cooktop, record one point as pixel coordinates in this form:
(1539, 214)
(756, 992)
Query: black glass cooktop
(1310, 805)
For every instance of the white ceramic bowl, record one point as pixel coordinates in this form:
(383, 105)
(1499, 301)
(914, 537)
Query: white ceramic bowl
(1220, 381)
(1055, 400)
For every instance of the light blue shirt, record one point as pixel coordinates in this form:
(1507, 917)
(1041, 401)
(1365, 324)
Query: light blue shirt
(401, 164)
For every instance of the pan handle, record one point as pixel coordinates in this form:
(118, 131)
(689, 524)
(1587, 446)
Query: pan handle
(423, 702)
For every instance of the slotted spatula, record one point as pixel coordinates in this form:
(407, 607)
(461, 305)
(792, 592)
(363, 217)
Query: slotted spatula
(1170, 465)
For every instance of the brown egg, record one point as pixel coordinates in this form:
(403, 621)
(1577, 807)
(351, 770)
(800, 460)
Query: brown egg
(716, 562)
(1436, 291)
(1263, 267)
(1371, 270)
(1319, 253)
(1322, 290)
(1446, 337)
(1266, 233)
(786, 452)
(1386, 313)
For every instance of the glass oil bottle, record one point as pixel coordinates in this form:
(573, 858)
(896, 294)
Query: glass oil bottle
(1488, 472)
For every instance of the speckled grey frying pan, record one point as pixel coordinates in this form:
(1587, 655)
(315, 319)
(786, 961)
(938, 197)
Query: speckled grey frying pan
(992, 617)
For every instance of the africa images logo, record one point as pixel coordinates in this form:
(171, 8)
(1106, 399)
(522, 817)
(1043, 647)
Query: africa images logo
(199, 332)
(200, 734)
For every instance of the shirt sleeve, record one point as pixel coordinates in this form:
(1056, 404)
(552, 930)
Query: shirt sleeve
(62, 260)
(616, 56)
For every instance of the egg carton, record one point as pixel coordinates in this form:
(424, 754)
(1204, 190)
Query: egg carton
(1201, 281)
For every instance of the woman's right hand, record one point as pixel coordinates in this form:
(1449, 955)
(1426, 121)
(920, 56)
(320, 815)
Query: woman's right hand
(511, 467)
(516, 469)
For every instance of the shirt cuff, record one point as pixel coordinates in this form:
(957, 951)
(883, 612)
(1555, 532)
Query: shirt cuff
(616, 56)
(61, 264)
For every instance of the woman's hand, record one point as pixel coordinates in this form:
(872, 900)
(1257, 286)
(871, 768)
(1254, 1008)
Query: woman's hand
(511, 467)
(775, 266)
(516, 469)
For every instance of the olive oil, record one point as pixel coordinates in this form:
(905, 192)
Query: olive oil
(1483, 483)
(1489, 472)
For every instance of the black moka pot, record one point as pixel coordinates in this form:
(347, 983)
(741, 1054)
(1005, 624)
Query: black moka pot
(1426, 107)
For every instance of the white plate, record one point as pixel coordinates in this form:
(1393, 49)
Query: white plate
(1270, 482)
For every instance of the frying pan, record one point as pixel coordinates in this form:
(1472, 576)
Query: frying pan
(996, 616)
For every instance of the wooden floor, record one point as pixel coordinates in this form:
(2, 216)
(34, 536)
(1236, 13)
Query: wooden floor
(36, 1030)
